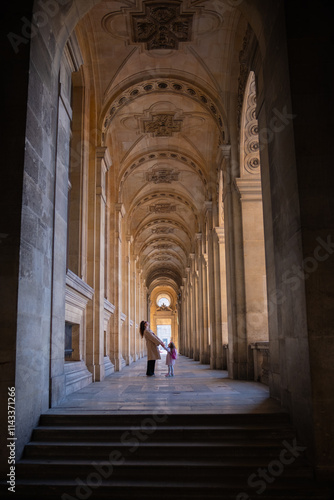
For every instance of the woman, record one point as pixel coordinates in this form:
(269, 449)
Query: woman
(152, 343)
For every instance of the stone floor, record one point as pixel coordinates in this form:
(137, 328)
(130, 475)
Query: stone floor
(194, 389)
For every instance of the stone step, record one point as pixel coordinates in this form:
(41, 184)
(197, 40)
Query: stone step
(231, 450)
(180, 470)
(182, 433)
(139, 490)
(203, 457)
(126, 420)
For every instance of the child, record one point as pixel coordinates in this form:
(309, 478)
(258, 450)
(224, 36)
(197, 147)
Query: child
(170, 359)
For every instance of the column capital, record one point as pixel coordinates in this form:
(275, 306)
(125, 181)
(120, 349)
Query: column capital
(192, 256)
(226, 150)
(208, 206)
(120, 208)
(220, 231)
(102, 153)
(198, 236)
(129, 238)
(250, 189)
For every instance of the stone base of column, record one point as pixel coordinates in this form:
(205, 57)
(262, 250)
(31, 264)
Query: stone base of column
(219, 363)
(57, 389)
(117, 362)
(128, 359)
(98, 372)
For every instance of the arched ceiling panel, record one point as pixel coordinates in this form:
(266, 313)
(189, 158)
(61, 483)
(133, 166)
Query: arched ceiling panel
(159, 72)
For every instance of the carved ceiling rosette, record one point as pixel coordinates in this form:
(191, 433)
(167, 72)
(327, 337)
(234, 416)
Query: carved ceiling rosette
(162, 125)
(163, 230)
(161, 25)
(161, 208)
(161, 175)
(162, 247)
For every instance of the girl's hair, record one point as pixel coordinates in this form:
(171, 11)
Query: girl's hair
(142, 328)
(171, 345)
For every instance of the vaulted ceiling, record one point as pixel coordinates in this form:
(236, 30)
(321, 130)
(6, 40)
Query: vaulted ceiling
(161, 77)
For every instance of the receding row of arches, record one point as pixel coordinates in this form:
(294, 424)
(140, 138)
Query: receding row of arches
(162, 168)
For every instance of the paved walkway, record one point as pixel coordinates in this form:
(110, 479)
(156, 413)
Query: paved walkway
(194, 389)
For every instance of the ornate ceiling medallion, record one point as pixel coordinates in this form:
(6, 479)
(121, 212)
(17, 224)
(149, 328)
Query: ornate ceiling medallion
(163, 230)
(161, 26)
(162, 125)
(162, 175)
(161, 208)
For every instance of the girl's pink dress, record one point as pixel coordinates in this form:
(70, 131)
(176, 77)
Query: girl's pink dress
(169, 358)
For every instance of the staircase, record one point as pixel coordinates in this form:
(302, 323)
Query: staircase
(162, 456)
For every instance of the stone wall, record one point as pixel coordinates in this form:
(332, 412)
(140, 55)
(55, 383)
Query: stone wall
(310, 45)
(14, 112)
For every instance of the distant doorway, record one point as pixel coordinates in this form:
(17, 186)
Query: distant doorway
(164, 332)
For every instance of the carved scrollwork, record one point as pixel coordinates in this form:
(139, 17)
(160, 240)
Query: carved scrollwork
(251, 131)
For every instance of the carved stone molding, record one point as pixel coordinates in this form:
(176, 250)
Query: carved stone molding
(162, 86)
(251, 130)
(163, 258)
(162, 175)
(161, 208)
(162, 125)
(161, 25)
(163, 230)
(162, 247)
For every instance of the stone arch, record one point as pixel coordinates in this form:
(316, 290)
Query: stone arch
(45, 61)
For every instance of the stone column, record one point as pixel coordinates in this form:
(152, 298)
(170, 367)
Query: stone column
(211, 284)
(185, 316)
(205, 349)
(200, 314)
(116, 340)
(190, 325)
(126, 351)
(56, 260)
(194, 306)
(181, 321)
(254, 261)
(220, 231)
(95, 335)
(217, 297)
(237, 338)
(136, 321)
